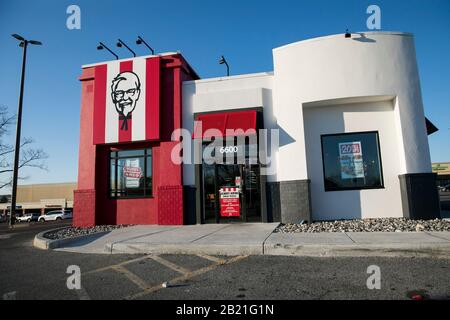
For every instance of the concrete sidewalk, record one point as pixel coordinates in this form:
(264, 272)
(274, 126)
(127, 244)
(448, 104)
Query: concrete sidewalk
(258, 239)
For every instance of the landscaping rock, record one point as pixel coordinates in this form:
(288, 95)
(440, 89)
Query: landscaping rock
(75, 232)
(368, 225)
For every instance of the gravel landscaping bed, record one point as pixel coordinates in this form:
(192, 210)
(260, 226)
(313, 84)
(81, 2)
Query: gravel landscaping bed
(368, 225)
(74, 231)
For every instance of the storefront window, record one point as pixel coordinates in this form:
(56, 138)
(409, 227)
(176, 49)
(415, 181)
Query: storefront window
(131, 173)
(351, 161)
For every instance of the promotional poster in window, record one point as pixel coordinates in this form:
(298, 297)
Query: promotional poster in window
(132, 173)
(350, 155)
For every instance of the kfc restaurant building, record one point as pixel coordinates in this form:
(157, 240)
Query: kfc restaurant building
(343, 116)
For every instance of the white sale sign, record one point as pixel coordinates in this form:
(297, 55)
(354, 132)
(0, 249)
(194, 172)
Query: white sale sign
(132, 173)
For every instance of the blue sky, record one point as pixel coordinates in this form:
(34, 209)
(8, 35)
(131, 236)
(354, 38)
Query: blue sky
(245, 31)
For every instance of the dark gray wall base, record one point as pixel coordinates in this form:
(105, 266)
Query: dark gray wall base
(189, 206)
(273, 202)
(289, 201)
(420, 197)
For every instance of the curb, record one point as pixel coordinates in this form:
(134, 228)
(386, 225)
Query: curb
(47, 244)
(435, 250)
(182, 248)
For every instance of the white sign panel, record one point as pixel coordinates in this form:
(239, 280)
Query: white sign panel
(132, 173)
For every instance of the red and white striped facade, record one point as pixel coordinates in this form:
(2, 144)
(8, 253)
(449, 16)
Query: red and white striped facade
(144, 122)
(153, 85)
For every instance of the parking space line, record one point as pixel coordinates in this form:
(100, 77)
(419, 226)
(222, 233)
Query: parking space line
(211, 258)
(185, 277)
(121, 264)
(132, 277)
(170, 265)
(144, 286)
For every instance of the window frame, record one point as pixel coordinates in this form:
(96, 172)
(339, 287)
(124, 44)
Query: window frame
(116, 158)
(381, 186)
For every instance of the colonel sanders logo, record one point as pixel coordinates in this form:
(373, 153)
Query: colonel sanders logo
(125, 92)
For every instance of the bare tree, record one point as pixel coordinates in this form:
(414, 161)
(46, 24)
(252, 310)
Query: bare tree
(29, 157)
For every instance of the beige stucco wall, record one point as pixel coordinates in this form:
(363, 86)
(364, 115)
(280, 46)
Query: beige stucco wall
(37, 192)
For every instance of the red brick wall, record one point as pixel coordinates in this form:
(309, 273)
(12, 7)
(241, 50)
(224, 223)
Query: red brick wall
(84, 208)
(84, 197)
(170, 203)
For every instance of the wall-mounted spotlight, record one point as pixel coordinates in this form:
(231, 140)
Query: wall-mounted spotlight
(101, 46)
(142, 41)
(347, 34)
(120, 43)
(222, 60)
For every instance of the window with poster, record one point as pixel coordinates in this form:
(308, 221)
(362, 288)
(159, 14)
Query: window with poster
(352, 161)
(130, 173)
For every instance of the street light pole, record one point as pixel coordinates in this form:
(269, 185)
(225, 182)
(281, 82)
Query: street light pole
(222, 60)
(24, 44)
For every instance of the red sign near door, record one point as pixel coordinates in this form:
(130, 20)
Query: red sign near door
(229, 202)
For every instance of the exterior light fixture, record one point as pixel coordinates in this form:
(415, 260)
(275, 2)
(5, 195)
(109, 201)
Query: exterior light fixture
(142, 41)
(102, 46)
(222, 60)
(347, 34)
(120, 43)
(23, 44)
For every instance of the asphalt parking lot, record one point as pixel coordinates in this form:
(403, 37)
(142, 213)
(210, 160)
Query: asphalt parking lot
(30, 273)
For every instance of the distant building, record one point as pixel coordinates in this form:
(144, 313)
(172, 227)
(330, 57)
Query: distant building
(41, 197)
(443, 173)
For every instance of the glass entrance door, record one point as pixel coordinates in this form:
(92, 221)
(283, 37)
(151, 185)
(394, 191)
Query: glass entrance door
(231, 206)
(210, 195)
(221, 178)
(230, 190)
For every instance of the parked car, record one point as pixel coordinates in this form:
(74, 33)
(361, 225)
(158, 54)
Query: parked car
(28, 217)
(35, 216)
(23, 218)
(446, 188)
(56, 215)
